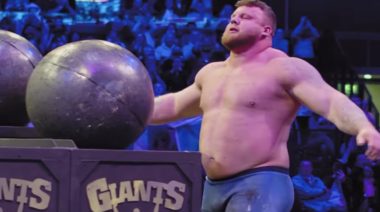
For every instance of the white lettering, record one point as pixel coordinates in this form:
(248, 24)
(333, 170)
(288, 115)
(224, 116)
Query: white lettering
(40, 199)
(103, 196)
(177, 197)
(44, 197)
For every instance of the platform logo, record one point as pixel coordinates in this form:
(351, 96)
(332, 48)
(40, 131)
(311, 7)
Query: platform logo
(103, 196)
(33, 194)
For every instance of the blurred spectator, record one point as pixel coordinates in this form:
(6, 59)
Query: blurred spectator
(325, 153)
(16, 5)
(318, 122)
(302, 124)
(202, 57)
(115, 32)
(304, 36)
(181, 7)
(203, 7)
(55, 6)
(36, 28)
(165, 50)
(143, 8)
(222, 19)
(200, 11)
(138, 45)
(59, 34)
(226, 13)
(313, 193)
(59, 40)
(151, 65)
(171, 31)
(62, 6)
(191, 32)
(11, 22)
(169, 13)
(174, 73)
(187, 47)
(370, 199)
(146, 28)
(280, 42)
(365, 197)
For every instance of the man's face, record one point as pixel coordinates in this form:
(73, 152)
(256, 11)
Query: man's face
(246, 26)
(306, 168)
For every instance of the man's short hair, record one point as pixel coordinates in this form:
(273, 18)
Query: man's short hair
(268, 11)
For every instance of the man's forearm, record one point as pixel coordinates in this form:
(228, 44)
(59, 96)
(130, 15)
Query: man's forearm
(164, 109)
(348, 117)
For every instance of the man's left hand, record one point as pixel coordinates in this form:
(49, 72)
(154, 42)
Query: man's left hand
(371, 138)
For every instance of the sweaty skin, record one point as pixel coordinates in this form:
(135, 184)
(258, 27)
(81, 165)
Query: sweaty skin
(249, 101)
(247, 115)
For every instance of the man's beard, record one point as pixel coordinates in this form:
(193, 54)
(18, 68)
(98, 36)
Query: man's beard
(237, 42)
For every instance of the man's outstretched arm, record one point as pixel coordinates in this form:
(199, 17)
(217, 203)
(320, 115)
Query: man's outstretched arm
(174, 106)
(182, 104)
(306, 85)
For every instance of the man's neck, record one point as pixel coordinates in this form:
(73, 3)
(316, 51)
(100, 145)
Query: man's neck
(256, 53)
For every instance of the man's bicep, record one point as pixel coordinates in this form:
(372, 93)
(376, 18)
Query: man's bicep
(311, 90)
(315, 96)
(187, 101)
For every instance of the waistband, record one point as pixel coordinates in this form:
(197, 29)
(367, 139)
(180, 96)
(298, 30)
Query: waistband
(252, 171)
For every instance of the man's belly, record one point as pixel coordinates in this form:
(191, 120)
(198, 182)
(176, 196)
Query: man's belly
(225, 153)
(219, 169)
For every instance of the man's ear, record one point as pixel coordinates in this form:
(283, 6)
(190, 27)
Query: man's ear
(268, 31)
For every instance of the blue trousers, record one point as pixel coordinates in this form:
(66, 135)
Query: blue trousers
(263, 189)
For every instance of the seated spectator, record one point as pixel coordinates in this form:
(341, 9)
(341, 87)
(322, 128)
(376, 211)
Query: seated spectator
(366, 195)
(280, 42)
(159, 86)
(200, 10)
(370, 201)
(145, 26)
(137, 46)
(171, 30)
(174, 73)
(304, 36)
(169, 13)
(181, 7)
(313, 193)
(141, 8)
(187, 47)
(165, 50)
(318, 122)
(224, 17)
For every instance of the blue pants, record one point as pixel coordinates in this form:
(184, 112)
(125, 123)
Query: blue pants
(264, 189)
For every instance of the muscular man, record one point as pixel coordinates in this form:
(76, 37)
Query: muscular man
(248, 103)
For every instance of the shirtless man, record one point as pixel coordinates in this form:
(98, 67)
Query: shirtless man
(248, 103)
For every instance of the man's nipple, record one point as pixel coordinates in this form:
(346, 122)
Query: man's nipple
(251, 104)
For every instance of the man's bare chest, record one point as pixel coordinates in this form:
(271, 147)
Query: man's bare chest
(241, 90)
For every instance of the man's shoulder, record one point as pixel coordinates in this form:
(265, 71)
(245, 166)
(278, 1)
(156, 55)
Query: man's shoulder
(211, 67)
(286, 61)
(292, 67)
(276, 53)
(207, 70)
